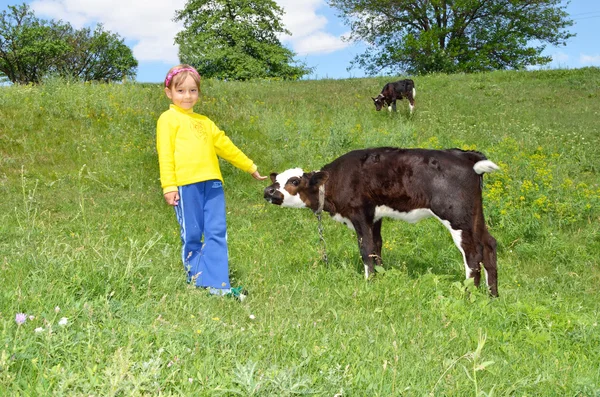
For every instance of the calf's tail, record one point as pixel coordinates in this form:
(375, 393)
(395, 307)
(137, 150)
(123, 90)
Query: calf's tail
(484, 166)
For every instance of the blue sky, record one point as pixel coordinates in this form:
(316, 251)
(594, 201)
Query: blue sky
(147, 27)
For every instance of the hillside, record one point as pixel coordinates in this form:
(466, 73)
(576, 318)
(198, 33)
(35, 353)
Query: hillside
(85, 235)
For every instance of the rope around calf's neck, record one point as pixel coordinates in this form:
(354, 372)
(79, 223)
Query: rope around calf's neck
(318, 213)
(323, 243)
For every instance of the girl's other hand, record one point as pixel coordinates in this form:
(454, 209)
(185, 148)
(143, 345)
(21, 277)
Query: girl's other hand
(257, 176)
(172, 198)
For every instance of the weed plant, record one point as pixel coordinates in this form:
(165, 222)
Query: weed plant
(89, 251)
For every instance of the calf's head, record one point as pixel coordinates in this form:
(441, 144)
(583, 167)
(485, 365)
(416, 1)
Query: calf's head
(378, 102)
(295, 189)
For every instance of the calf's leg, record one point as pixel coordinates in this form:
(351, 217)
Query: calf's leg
(489, 262)
(470, 248)
(366, 245)
(377, 241)
(473, 255)
(411, 101)
(478, 248)
(476, 245)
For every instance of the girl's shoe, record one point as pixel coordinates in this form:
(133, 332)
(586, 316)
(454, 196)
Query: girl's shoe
(238, 293)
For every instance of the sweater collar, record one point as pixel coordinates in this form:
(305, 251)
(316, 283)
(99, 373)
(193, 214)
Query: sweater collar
(181, 110)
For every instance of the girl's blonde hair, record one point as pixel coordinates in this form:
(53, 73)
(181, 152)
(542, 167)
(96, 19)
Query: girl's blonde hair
(179, 73)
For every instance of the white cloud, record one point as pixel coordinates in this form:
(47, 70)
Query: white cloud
(162, 49)
(149, 24)
(318, 43)
(301, 18)
(308, 28)
(589, 60)
(54, 10)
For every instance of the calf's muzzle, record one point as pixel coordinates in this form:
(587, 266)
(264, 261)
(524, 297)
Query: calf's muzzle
(273, 195)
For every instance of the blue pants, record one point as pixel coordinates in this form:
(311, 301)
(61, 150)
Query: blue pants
(201, 215)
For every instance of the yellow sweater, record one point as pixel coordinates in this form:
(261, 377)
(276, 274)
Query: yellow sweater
(188, 145)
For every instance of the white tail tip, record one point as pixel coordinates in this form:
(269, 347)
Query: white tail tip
(483, 166)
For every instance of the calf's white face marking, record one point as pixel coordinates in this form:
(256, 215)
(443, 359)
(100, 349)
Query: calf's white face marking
(290, 201)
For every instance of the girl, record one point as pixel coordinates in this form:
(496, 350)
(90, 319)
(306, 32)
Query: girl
(188, 145)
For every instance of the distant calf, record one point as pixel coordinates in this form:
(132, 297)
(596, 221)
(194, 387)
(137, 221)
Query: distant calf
(363, 186)
(396, 90)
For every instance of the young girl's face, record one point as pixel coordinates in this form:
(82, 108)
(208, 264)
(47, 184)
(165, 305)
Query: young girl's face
(185, 95)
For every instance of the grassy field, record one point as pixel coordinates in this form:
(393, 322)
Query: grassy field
(86, 238)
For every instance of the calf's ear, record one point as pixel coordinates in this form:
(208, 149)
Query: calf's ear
(273, 176)
(374, 100)
(318, 178)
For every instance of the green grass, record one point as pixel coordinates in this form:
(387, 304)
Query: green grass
(83, 227)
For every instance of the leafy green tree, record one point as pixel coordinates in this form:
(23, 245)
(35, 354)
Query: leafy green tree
(236, 39)
(450, 36)
(31, 49)
(29, 46)
(97, 55)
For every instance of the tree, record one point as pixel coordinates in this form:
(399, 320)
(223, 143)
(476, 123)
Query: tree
(31, 49)
(236, 39)
(28, 46)
(97, 56)
(424, 36)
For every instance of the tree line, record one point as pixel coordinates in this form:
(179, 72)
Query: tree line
(32, 49)
(240, 39)
(451, 36)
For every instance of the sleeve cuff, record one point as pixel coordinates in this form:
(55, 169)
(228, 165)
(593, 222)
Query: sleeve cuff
(252, 169)
(169, 189)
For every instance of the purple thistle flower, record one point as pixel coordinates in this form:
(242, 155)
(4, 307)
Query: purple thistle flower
(20, 318)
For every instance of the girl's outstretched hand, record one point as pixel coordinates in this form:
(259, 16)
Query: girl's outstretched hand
(172, 198)
(258, 177)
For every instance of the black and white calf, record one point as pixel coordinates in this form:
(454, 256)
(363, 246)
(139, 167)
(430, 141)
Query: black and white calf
(396, 90)
(363, 186)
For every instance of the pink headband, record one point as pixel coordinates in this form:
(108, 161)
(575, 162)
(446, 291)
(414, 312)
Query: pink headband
(176, 71)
